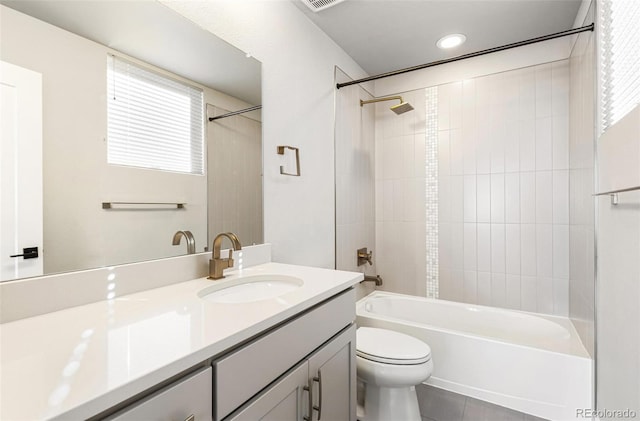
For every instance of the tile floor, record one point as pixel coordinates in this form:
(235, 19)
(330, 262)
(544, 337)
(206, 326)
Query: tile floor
(441, 405)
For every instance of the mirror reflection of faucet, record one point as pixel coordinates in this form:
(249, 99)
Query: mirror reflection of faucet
(191, 242)
(217, 265)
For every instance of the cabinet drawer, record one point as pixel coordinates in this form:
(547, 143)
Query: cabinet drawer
(187, 399)
(245, 372)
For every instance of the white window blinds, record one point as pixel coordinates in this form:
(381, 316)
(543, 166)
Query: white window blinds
(153, 121)
(619, 59)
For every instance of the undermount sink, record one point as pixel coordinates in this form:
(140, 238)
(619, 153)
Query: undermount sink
(251, 288)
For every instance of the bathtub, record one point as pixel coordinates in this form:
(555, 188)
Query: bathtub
(528, 362)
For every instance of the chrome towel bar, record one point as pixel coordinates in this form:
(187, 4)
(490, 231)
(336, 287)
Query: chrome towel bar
(142, 205)
(614, 193)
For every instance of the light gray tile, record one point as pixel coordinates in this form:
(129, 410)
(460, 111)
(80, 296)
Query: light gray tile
(483, 236)
(476, 410)
(440, 405)
(484, 289)
(512, 198)
(497, 198)
(544, 144)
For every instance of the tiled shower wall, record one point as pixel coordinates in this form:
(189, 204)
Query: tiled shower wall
(355, 158)
(503, 158)
(400, 186)
(504, 189)
(237, 176)
(581, 180)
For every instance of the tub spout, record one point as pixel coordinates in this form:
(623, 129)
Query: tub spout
(377, 279)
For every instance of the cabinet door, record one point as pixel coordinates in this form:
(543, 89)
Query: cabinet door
(332, 372)
(248, 370)
(284, 401)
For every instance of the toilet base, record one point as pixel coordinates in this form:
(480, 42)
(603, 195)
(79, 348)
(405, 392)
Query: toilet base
(390, 404)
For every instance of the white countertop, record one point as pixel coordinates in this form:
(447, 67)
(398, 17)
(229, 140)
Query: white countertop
(77, 362)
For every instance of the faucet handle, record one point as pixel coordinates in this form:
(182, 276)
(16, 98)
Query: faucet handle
(230, 259)
(365, 256)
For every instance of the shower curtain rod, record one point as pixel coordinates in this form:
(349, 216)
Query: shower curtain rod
(470, 55)
(246, 110)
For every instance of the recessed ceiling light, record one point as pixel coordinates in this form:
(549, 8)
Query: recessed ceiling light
(450, 41)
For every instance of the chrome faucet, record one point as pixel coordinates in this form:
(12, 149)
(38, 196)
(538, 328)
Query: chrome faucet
(217, 265)
(191, 242)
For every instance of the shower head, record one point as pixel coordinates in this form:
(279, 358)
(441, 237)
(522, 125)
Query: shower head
(401, 108)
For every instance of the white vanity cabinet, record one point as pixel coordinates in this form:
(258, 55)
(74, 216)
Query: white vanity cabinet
(273, 377)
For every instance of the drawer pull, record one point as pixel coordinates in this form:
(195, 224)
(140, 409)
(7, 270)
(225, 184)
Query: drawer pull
(310, 390)
(319, 407)
(191, 418)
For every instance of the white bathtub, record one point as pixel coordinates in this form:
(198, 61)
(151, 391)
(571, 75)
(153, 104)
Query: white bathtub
(528, 362)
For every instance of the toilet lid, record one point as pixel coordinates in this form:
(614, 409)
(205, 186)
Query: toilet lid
(387, 346)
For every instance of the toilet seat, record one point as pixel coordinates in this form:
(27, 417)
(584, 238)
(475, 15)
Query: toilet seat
(389, 347)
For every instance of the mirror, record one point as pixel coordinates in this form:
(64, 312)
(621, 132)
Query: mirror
(67, 43)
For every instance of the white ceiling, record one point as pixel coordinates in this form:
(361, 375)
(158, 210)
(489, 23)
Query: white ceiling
(380, 35)
(387, 35)
(150, 31)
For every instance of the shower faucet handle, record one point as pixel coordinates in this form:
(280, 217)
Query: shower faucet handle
(365, 256)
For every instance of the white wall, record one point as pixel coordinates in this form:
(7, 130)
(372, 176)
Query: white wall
(618, 293)
(298, 94)
(78, 233)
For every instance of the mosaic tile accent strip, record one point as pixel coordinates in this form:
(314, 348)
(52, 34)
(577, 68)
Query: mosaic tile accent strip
(431, 197)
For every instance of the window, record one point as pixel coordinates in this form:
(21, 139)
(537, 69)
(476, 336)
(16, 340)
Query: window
(619, 59)
(153, 121)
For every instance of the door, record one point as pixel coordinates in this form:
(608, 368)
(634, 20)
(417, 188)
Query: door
(284, 401)
(332, 372)
(21, 171)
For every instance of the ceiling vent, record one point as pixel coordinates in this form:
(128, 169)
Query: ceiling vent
(318, 5)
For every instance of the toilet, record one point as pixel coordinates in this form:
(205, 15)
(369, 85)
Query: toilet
(389, 365)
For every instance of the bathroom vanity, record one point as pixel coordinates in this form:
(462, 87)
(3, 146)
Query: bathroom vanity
(174, 353)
